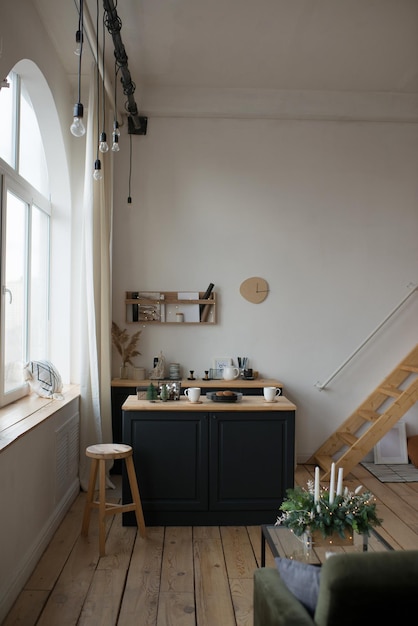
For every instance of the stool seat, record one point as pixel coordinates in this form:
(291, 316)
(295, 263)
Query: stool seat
(99, 454)
(109, 451)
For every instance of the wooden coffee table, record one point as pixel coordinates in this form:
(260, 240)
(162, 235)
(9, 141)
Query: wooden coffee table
(284, 543)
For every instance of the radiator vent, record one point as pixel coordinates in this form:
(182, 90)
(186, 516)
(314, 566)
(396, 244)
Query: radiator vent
(67, 447)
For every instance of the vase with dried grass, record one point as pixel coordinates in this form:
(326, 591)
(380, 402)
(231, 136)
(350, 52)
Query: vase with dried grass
(126, 346)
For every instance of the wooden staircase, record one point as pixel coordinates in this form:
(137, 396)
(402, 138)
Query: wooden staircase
(375, 417)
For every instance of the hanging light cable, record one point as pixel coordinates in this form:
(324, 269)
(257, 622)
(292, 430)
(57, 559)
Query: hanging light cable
(77, 127)
(130, 170)
(97, 174)
(103, 145)
(116, 131)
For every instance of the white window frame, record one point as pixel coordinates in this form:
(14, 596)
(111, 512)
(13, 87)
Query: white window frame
(12, 181)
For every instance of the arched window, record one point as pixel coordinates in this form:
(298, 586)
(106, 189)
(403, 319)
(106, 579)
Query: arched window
(25, 240)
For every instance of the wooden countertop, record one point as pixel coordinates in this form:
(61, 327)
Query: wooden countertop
(201, 382)
(247, 403)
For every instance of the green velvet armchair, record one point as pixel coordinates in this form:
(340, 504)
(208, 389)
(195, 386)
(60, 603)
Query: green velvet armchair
(358, 588)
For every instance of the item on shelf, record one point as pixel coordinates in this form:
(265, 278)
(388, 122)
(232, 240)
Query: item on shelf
(174, 371)
(138, 373)
(159, 369)
(215, 373)
(205, 309)
(135, 308)
(243, 362)
(230, 373)
(191, 377)
(155, 307)
(206, 296)
(206, 375)
(125, 345)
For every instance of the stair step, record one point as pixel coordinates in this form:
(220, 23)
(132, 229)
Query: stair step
(409, 368)
(324, 462)
(368, 415)
(393, 392)
(379, 423)
(347, 437)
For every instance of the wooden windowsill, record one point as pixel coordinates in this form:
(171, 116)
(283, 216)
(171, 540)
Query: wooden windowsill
(21, 416)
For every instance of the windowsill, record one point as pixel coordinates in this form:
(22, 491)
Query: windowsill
(22, 416)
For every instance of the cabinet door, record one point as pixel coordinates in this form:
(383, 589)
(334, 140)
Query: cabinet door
(171, 459)
(251, 460)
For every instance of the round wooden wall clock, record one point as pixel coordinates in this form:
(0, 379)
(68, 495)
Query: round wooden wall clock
(254, 289)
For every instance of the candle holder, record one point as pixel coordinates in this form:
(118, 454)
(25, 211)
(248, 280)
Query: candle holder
(320, 513)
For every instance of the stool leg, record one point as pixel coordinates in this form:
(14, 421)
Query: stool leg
(89, 497)
(102, 507)
(135, 496)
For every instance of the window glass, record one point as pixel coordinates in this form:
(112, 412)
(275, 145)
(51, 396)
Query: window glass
(25, 243)
(39, 281)
(15, 299)
(32, 161)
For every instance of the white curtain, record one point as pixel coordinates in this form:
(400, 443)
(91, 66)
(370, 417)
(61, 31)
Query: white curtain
(95, 298)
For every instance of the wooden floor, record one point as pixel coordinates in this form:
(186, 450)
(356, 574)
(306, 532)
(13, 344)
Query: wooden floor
(185, 576)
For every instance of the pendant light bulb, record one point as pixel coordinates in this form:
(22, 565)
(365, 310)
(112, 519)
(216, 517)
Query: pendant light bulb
(103, 146)
(97, 174)
(77, 127)
(115, 144)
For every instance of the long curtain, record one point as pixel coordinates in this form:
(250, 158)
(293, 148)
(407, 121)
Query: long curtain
(95, 299)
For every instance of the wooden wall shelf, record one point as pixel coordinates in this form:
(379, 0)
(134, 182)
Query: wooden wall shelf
(170, 307)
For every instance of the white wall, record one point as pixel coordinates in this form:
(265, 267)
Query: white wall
(326, 211)
(40, 481)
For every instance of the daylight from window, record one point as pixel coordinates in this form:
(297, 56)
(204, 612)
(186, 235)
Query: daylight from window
(25, 241)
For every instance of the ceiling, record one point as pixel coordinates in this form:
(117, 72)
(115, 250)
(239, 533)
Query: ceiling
(325, 45)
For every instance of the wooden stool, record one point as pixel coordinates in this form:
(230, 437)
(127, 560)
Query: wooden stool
(100, 453)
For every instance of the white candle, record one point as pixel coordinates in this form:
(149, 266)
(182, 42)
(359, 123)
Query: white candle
(340, 482)
(332, 484)
(316, 493)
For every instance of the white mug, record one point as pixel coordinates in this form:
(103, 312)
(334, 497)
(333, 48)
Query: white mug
(271, 393)
(193, 393)
(230, 373)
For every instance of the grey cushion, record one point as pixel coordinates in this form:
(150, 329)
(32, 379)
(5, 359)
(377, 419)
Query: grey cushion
(302, 579)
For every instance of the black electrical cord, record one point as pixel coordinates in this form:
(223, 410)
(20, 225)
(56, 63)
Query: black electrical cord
(97, 79)
(130, 169)
(81, 31)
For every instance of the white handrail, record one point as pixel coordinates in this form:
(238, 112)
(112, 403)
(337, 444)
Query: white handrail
(322, 386)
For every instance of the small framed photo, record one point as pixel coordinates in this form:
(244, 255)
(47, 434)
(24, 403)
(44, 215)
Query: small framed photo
(221, 361)
(392, 448)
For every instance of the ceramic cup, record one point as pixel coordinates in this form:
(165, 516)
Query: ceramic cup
(271, 393)
(193, 393)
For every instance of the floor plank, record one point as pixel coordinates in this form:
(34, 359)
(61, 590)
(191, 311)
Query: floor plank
(176, 576)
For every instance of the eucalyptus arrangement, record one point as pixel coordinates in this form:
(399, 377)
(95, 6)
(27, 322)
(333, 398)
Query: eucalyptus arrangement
(308, 510)
(125, 345)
